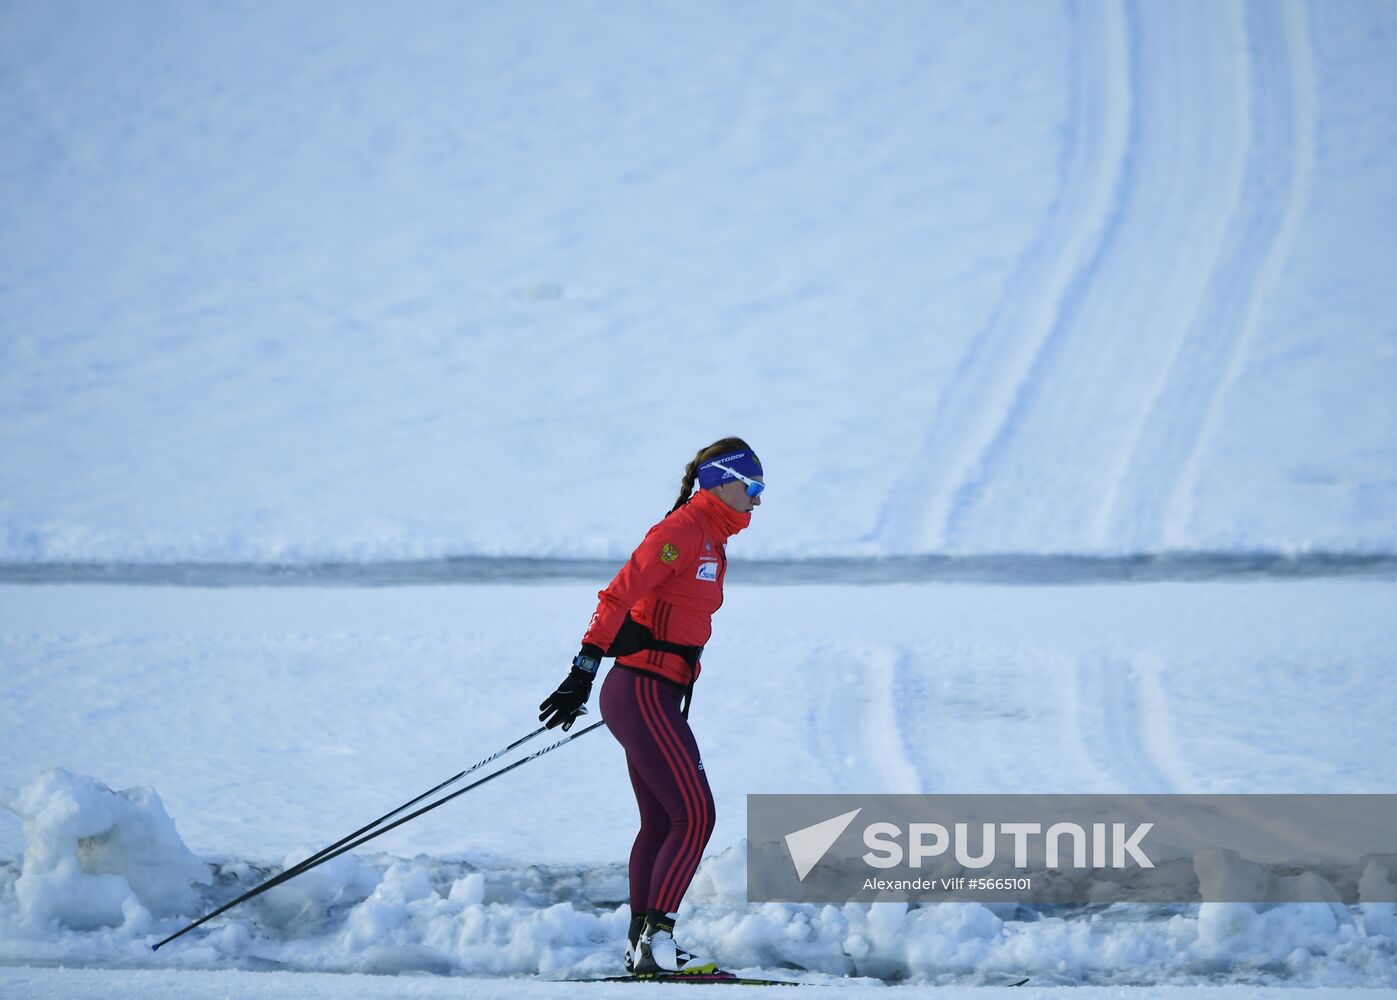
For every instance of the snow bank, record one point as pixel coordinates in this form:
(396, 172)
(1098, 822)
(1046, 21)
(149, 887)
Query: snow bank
(1314, 943)
(98, 858)
(105, 875)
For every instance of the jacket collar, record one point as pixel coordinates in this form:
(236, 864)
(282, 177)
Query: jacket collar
(722, 518)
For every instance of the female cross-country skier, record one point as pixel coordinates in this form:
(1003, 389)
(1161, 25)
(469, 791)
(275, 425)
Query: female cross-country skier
(655, 617)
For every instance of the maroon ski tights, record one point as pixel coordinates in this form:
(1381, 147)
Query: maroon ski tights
(676, 806)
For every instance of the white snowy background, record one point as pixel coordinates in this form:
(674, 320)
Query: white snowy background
(291, 281)
(302, 283)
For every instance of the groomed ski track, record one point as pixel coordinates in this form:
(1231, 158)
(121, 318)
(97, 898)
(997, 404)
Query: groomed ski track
(1073, 414)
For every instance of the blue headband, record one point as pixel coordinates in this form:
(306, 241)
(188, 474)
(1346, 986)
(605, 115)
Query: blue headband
(709, 475)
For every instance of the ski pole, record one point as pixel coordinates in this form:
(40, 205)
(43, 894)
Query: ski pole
(341, 847)
(314, 859)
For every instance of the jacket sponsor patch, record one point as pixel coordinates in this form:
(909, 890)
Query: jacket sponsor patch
(707, 570)
(668, 553)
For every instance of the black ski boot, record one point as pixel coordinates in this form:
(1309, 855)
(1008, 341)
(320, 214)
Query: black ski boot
(633, 940)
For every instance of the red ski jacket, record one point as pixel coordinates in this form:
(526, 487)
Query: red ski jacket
(672, 584)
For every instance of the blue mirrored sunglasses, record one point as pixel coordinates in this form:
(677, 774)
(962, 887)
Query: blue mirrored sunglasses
(754, 488)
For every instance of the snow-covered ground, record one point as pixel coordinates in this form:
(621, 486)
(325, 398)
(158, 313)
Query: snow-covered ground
(273, 721)
(358, 282)
(297, 283)
(77, 984)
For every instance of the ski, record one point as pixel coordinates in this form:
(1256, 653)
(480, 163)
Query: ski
(707, 979)
(692, 978)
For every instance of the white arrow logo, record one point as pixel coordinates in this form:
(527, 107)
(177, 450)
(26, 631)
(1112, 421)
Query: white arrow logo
(809, 845)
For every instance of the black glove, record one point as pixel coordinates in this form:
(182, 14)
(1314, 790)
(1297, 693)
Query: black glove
(563, 706)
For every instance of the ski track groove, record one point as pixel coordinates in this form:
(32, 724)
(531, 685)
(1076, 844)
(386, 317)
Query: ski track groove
(1078, 414)
(858, 707)
(1118, 483)
(881, 725)
(1168, 182)
(1119, 725)
(1156, 729)
(1300, 64)
(980, 396)
(980, 479)
(1160, 475)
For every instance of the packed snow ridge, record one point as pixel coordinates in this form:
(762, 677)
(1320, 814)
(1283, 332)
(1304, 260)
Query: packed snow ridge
(105, 875)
